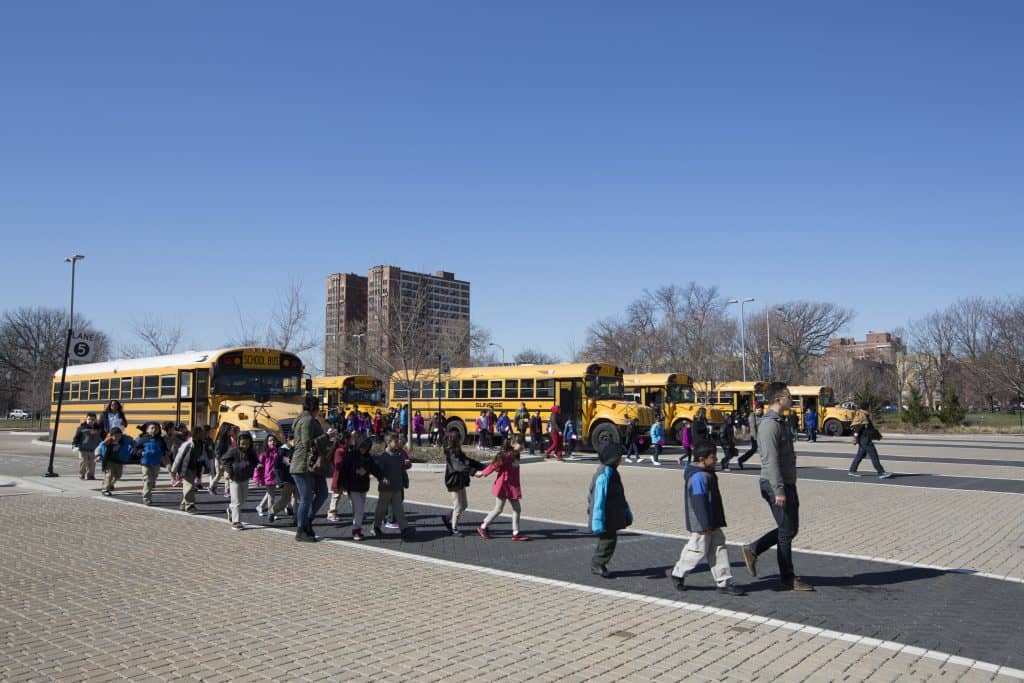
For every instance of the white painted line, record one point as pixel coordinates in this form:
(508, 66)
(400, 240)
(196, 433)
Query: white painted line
(823, 553)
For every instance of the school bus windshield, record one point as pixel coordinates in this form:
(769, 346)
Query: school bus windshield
(827, 399)
(361, 396)
(234, 381)
(681, 393)
(604, 387)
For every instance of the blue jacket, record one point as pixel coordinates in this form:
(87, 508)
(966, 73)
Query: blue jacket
(657, 433)
(569, 431)
(702, 499)
(153, 449)
(606, 505)
(811, 419)
(109, 450)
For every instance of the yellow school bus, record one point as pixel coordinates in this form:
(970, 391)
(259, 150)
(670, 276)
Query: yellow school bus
(731, 396)
(832, 419)
(591, 393)
(257, 389)
(349, 392)
(672, 395)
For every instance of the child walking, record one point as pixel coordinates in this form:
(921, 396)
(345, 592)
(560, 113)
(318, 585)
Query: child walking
(390, 486)
(263, 475)
(657, 441)
(506, 489)
(239, 463)
(457, 470)
(607, 508)
(356, 467)
(341, 451)
(705, 518)
(186, 466)
(569, 436)
(154, 455)
(115, 451)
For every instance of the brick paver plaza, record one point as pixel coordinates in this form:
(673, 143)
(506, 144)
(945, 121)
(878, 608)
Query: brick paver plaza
(98, 589)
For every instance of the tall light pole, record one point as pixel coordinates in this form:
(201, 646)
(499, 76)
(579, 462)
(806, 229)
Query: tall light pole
(64, 368)
(770, 361)
(502, 350)
(743, 337)
(359, 350)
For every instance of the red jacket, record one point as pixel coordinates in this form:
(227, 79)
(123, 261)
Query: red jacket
(507, 484)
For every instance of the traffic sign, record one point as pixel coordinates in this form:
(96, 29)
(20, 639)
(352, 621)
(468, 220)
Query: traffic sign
(81, 349)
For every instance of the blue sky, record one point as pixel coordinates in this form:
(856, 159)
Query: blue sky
(561, 156)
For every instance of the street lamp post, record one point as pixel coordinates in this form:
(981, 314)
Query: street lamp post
(743, 338)
(64, 368)
(502, 350)
(770, 364)
(359, 350)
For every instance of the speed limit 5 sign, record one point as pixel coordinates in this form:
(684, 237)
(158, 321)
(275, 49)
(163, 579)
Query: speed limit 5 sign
(81, 349)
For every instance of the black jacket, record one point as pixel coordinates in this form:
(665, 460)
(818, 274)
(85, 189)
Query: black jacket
(239, 464)
(350, 480)
(458, 469)
(699, 433)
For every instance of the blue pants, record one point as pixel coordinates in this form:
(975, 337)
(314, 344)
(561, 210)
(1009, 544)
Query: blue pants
(812, 433)
(312, 496)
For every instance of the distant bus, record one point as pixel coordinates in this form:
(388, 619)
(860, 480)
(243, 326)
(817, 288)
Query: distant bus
(255, 388)
(832, 419)
(671, 395)
(592, 393)
(731, 396)
(347, 392)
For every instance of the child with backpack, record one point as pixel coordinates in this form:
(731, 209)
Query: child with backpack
(569, 436)
(115, 451)
(506, 489)
(607, 508)
(152, 450)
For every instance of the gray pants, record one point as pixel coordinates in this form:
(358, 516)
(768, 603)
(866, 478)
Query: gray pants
(239, 491)
(499, 505)
(86, 463)
(710, 549)
(149, 476)
(459, 504)
(358, 509)
(394, 500)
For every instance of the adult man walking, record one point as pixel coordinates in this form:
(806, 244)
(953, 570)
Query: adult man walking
(778, 488)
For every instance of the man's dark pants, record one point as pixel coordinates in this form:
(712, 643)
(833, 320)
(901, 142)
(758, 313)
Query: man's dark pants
(867, 448)
(787, 521)
(750, 451)
(605, 548)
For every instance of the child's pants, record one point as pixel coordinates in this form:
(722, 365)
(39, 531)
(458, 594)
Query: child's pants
(605, 548)
(657, 452)
(239, 491)
(556, 445)
(149, 475)
(86, 463)
(335, 499)
(710, 549)
(188, 491)
(287, 496)
(499, 505)
(569, 443)
(394, 499)
(459, 504)
(358, 506)
(111, 473)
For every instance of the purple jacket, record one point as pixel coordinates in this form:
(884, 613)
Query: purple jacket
(687, 437)
(263, 474)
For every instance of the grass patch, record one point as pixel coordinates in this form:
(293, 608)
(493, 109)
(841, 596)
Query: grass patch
(974, 423)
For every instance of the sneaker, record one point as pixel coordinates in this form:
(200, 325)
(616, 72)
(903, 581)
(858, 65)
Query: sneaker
(82, 477)
(516, 536)
(739, 464)
(227, 511)
(482, 532)
(390, 525)
(357, 535)
(447, 522)
(333, 518)
(797, 585)
(600, 570)
(237, 526)
(885, 475)
(271, 518)
(147, 502)
(104, 493)
(750, 559)
(212, 490)
(302, 537)
(288, 510)
(227, 493)
(851, 473)
(731, 590)
(91, 478)
(678, 581)
(456, 532)
(656, 463)
(377, 532)
(260, 512)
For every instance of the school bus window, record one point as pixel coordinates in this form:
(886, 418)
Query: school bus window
(104, 389)
(725, 397)
(467, 388)
(401, 390)
(94, 390)
(414, 389)
(202, 385)
(186, 386)
(511, 388)
(74, 391)
(545, 388)
(481, 388)
(495, 388)
(796, 402)
(453, 389)
(428, 390)
(137, 391)
(442, 390)
(126, 387)
(167, 386)
(526, 388)
(151, 388)
(115, 389)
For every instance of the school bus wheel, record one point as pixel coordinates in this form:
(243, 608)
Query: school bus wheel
(833, 427)
(604, 433)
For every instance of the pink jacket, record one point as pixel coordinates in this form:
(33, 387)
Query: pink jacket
(507, 484)
(263, 475)
(687, 437)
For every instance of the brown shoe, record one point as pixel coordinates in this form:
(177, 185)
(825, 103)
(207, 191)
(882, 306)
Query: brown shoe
(751, 560)
(801, 585)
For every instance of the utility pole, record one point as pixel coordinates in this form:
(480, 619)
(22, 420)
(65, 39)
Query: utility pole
(743, 338)
(64, 369)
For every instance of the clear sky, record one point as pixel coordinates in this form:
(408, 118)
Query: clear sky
(562, 156)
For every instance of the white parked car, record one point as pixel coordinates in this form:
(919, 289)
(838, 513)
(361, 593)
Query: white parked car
(18, 414)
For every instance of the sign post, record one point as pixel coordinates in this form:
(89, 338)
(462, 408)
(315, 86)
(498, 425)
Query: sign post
(85, 348)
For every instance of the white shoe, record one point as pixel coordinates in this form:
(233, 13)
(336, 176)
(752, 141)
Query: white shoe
(656, 463)
(259, 511)
(885, 475)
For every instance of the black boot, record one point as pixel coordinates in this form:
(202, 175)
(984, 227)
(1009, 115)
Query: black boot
(303, 537)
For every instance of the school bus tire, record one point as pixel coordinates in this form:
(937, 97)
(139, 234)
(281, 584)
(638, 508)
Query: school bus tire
(603, 433)
(833, 427)
(459, 426)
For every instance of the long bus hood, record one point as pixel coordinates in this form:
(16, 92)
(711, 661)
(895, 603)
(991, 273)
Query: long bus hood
(273, 416)
(629, 410)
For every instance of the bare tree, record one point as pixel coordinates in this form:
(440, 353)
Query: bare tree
(480, 353)
(801, 334)
(534, 356)
(156, 337)
(934, 345)
(288, 327)
(32, 348)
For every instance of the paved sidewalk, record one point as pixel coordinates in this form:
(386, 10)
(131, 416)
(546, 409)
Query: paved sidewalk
(93, 590)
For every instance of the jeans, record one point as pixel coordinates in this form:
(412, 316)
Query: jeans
(312, 494)
(812, 433)
(657, 452)
(750, 451)
(633, 449)
(867, 448)
(787, 524)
